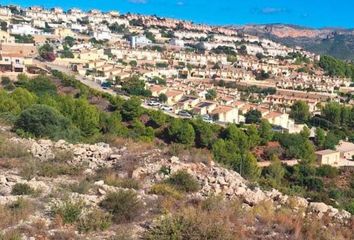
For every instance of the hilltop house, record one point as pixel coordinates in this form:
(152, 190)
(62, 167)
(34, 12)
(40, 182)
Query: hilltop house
(328, 157)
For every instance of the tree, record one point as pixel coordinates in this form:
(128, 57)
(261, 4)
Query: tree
(163, 98)
(305, 132)
(205, 133)
(253, 135)
(8, 104)
(332, 112)
(135, 86)
(253, 116)
(158, 118)
(139, 131)
(181, 131)
(86, 117)
(131, 109)
(224, 153)
(112, 124)
(249, 167)
(211, 94)
(67, 53)
(41, 85)
(43, 121)
(265, 131)
(46, 51)
(236, 135)
(331, 140)
(320, 137)
(70, 41)
(260, 56)
(23, 98)
(300, 112)
(298, 147)
(133, 63)
(275, 172)
(335, 67)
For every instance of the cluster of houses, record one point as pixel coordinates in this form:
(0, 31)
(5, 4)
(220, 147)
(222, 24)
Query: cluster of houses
(191, 58)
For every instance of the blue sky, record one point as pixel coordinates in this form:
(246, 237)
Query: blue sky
(312, 13)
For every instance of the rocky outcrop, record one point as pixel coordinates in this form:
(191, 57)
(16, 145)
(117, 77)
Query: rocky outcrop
(92, 156)
(213, 179)
(216, 180)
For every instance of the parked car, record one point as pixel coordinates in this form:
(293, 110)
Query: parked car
(184, 114)
(207, 118)
(166, 108)
(153, 103)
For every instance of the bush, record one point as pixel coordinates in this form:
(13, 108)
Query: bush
(43, 121)
(350, 207)
(181, 131)
(313, 183)
(69, 211)
(165, 190)
(123, 205)
(96, 220)
(327, 171)
(22, 189)
(183, 181)
(191, 224)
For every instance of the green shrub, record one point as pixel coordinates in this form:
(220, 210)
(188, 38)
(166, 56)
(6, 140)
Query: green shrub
(96, 220)
(313, 183)
(350, 207)
(22, 189)
(335, 193)
(44, 121)
(183, 181)
(327, 171)
(124, 205)
(165, 190)
(68, 210)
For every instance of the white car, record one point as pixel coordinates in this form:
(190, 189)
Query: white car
(166, 108)
(207, 118)
(185, 114)
(153, 103)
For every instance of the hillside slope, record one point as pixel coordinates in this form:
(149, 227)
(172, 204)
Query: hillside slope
(57, 190)
(327, 41)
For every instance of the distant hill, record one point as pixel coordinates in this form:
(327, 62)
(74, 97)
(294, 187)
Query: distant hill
(329, 41)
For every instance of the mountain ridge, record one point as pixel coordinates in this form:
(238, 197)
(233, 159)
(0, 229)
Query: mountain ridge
(337, 42)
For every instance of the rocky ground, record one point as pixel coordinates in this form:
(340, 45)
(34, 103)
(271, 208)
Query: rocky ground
(147, 166)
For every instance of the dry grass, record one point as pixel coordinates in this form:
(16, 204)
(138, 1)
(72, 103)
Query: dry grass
(110, 177)
(11, 214)
(37, 229)
(10, 149)
(166, 191)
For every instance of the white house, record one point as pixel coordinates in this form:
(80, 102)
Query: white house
(139, 41)
(24, 29)
(177, 42)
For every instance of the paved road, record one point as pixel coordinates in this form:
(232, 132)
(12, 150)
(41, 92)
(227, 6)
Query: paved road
(92, 84)
(82, 79)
